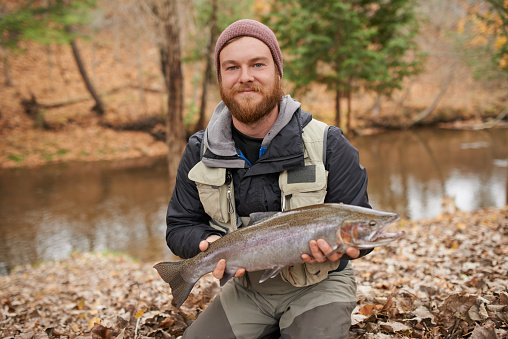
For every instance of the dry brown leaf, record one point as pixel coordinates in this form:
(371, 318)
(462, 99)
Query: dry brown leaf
(101, 332)
(368, 310)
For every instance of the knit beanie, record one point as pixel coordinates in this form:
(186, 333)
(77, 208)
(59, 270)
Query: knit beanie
(252, 28)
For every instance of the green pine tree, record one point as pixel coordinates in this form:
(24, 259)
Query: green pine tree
(340, 44)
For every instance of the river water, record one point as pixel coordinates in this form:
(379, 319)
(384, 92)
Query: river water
(49, 212)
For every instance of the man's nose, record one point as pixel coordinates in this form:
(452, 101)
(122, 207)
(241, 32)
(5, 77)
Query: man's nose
(245, 75)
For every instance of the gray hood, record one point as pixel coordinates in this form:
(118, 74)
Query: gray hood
(218, 134)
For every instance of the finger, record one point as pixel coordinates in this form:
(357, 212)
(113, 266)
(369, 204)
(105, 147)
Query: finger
(307, 258)
(326, 248)
(218, 272)
(239, 272)
(203, 245)
(316, 251)
(353, 252)
(212, 238)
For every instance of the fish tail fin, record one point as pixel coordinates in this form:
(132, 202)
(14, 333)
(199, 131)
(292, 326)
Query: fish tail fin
(171, 272)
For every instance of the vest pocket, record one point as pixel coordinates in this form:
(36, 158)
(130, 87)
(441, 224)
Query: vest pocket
(308, 198)
(306, 274)
(214, 191)
(306, 186)
(216, 197)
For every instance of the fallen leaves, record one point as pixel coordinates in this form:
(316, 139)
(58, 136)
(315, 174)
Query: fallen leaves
(447, 278)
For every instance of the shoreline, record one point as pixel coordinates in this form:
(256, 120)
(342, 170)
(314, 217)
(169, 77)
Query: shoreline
(35, 147)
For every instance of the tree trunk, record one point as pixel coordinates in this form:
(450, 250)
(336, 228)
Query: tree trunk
(349, 109)
(99, 106)
(377, 106)
(426, 112)
(50, 69)
(47, 3)
(139, 62)
(209, 64)
(8, 80)
(337, 108)
(172, 69)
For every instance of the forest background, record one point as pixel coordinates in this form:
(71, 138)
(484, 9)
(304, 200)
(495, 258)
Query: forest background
(447, 62)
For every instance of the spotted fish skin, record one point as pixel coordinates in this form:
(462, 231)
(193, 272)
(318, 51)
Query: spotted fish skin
(278, 239)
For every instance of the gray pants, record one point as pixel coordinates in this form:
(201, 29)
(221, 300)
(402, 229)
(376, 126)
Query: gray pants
(322, 310)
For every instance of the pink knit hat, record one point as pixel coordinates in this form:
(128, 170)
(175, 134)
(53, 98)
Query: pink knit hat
(252, 28)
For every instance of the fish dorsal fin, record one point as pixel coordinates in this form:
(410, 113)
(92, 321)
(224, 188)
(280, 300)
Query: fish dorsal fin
(259, 216)
(270, 273)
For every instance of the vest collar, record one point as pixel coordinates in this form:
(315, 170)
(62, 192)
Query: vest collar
(286, 134)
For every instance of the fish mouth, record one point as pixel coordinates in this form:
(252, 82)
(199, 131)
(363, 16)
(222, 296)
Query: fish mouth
(379, 237)
(381, 240)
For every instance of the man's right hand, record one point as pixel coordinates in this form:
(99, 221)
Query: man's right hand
(218, 272)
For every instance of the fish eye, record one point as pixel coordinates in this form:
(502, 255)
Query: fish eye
(372, 223)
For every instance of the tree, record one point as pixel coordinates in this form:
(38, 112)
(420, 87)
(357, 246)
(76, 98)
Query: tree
(209, 66)
(395, 24)
(485, 26)
(345, 45)
(171, 66)
(48, 24)
(212, 17)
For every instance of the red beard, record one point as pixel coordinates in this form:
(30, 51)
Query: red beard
(244, 110)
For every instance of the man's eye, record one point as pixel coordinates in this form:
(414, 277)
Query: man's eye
(258, 65)
(231, 68)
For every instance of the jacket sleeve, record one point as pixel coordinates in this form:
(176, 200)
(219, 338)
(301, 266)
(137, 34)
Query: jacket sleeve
(347, 179)
(186, 220)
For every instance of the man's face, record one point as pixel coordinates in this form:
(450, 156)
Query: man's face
(249, 82)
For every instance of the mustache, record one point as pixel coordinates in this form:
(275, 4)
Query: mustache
(243, 88)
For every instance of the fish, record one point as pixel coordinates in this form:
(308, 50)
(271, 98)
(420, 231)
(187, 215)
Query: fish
(274, 240)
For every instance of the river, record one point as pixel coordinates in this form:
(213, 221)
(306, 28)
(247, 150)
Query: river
(49, 212)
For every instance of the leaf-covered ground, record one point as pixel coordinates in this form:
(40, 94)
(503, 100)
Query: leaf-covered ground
(447, 278)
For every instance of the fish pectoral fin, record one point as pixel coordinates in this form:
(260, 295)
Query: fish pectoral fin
(227, 275)
(336, 249)
(270, 273)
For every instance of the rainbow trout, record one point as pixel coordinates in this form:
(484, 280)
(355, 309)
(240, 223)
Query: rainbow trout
(274, 240)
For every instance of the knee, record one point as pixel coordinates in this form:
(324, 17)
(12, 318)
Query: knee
(327, 321)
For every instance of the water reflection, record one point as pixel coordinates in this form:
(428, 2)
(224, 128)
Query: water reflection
(411, 171)
(49, 212)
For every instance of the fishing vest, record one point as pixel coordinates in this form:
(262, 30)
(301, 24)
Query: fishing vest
(299, 187)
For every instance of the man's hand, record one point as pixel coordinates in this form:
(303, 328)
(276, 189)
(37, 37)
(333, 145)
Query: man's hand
(218, 272)
(321, 248)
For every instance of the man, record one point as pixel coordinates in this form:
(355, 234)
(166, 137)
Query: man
(261, 152)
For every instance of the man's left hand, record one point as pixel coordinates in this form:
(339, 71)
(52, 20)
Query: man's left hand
(320, 248)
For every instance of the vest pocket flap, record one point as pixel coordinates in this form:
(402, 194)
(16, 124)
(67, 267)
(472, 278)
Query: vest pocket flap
(213, 176)
(303, 179)
(306, 274)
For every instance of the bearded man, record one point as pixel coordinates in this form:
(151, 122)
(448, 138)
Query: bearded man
(258, 146)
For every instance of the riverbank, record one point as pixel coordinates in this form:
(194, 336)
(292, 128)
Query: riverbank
(32, 147)
(446, 278)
